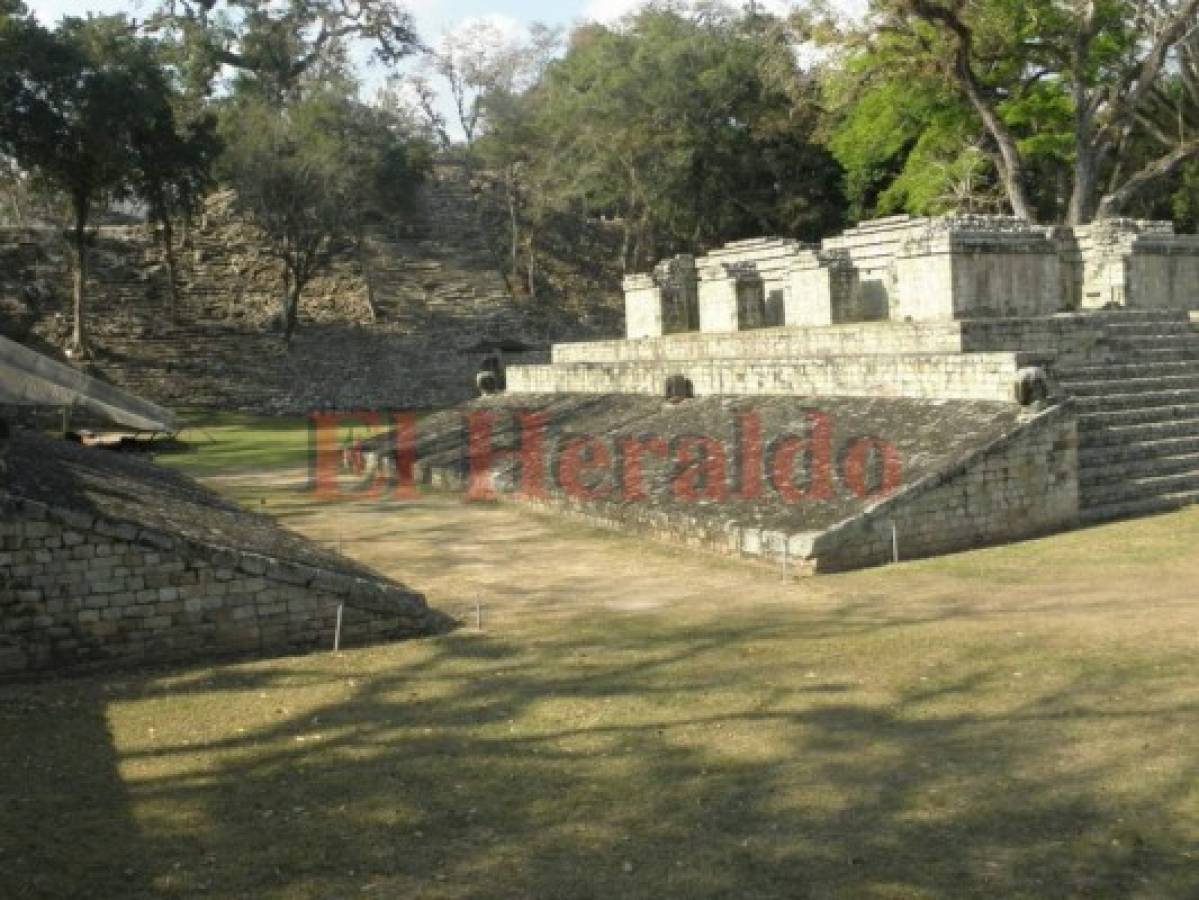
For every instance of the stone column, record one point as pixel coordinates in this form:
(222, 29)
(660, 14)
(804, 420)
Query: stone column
(823, 289)
(731, 298)
(664, 302)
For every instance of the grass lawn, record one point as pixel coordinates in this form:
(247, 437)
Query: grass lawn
(636, 721)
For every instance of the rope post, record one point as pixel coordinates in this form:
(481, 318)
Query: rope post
(341, 608)
(894, 542)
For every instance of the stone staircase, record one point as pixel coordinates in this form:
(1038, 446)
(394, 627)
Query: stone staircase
(1138, 416)
(437, 286)
(441, 270)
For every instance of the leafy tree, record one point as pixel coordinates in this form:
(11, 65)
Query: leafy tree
(1081, 108)
(692, 128)
(311, 173)
(479, 59)
(74, 101)
(279, 44)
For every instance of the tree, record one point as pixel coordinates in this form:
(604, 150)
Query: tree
(73, 100)
(278, 44)
(690, 128)
(1103, 91)
(480, 58)
(173, 167)
(309, 174)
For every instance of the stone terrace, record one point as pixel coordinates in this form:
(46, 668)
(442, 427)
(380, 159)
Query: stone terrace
(982, 465)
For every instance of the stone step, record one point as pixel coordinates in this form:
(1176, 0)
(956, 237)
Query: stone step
(1184, 381)
(1135, 488)
(1120, 435)
(1093, 473)
(1097, 421)
(1094, 455)
(1092, 514)
(1116, 371)
(1151, 342)
(1144, 399)
(1169, 327)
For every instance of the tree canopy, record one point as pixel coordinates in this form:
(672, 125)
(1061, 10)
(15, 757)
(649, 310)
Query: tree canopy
(690, 127)
(87, 110)
(1077, 110)
(312, 175)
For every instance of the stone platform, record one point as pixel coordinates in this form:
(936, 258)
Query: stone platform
(1119, 436)
(813, 485)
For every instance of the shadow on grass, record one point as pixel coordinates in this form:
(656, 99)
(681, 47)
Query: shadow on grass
(612, 761)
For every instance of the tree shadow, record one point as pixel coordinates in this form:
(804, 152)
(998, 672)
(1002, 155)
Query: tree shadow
(615, 759)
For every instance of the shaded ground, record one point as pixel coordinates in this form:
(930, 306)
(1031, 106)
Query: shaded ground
(635, 721)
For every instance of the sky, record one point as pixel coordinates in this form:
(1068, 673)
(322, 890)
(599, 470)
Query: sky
(434, 18)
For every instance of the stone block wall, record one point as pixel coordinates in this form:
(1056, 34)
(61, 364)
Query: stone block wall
(731, 299)
(78, 591)
(975, 376)
(769, 259)
(1138, 265)
(777, 343)
(1023, 485)
(907, 269)
(824, 289)
(970, 268)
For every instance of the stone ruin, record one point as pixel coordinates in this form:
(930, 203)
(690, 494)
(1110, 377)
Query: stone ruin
(999, 379)
(905, 269)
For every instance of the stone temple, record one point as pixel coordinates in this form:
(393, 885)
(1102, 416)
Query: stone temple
(907, 388)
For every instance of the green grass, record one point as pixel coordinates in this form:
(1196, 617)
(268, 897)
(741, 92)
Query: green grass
(231, 443)
(640, 723)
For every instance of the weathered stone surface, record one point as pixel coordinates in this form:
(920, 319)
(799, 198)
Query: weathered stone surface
(123, 563)
(1002, 474)
(907, 269)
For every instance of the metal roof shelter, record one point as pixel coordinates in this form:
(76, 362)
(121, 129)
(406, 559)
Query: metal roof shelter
(28, 378)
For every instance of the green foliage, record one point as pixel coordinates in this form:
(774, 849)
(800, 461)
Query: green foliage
(88, 111)
(311, 173)
(692, 129)
(274, 47)
(909, 125)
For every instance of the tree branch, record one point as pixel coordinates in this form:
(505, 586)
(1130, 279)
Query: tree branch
(1163, 167)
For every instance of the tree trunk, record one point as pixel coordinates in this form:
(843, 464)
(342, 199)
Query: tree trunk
(368, 275)
(1011, 164)
(532, 262)
(168, 252)
(625, 244)
(291, 309)
(1086, 185)
(78, 345)
(514, 220)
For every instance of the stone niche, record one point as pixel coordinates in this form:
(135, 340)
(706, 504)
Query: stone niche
(768, 258)
(872, 248)
(1135, 264)
(977, 267)
(731, 298)
(824, 289)
(663, 302)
